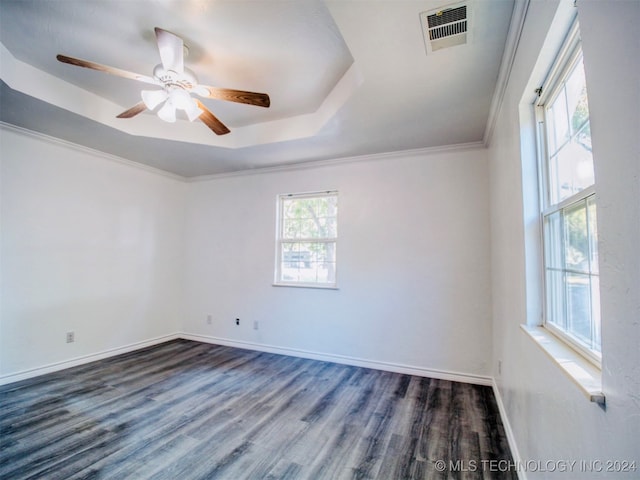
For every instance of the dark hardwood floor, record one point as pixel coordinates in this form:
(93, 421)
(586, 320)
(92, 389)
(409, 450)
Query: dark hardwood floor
(187, 410)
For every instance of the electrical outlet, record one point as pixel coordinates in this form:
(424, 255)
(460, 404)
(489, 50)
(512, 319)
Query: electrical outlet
(237, 321)
(255, 325)
(209, 320)
(499, 367)
(71, 337)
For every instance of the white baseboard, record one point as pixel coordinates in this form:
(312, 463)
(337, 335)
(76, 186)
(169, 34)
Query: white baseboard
(326, 357)
(54, 367)
(345, 360)
(522, 475)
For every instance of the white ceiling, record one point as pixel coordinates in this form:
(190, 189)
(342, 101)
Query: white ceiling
(345, 77)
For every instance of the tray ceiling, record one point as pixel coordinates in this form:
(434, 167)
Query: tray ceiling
(345, 78)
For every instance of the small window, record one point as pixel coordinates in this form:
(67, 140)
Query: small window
(569, 221)
(306, 239)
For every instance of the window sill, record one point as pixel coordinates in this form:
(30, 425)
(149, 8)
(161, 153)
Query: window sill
(583, 373)
(306, 285)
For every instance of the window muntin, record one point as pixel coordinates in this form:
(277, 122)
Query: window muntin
(569, 220)
(307, 239)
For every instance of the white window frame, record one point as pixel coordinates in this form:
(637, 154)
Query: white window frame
(563, 65)
(280, 240)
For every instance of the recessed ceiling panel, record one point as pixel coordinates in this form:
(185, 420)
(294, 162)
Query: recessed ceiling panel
(345, 78)
(291, 50)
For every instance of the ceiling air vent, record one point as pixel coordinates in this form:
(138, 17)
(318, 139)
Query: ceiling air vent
(445, 27)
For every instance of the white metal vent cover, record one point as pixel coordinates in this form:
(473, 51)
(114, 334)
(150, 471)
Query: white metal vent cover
(445, 27)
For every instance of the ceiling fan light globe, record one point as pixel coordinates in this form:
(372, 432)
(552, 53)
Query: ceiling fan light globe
(168, 112)
(180, 98)
(193, 111)
(153, 98)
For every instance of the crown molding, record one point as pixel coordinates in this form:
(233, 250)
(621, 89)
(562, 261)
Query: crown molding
(87, 150)
(343, 161)
(518, 17)
(255, 171)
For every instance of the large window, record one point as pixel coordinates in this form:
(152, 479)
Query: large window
(306, 240)
(572, 299)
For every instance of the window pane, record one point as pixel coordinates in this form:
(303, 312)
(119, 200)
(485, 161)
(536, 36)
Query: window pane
(329, 227)
(309, 218)
(553, 241)
(324, 261)
(326, 273)
(555, 298)
(299, 208)
(323, 252)
(288, 208)
(310, 228)
(576, 238)
(293, 256)
(308, 262)
(558, 123)
(579, 307)
(583, 136)
(289, 266)
(577, 103)
(571, 170)
(291, 228)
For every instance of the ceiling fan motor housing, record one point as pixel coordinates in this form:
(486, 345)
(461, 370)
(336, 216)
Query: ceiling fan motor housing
(171, 79)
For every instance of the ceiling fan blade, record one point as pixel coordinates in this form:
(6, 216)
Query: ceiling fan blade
(171, 50)
(211, 121)
(239, 96)
(133, 111)
(106, 69)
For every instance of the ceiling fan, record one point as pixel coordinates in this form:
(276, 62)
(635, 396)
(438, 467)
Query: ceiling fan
(177, 84)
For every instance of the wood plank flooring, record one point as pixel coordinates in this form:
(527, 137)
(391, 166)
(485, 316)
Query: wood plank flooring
(185, 410)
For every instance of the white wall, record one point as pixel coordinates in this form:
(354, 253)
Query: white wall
(413, 263)
(99, 248)
(551, 419)
(88, 245)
